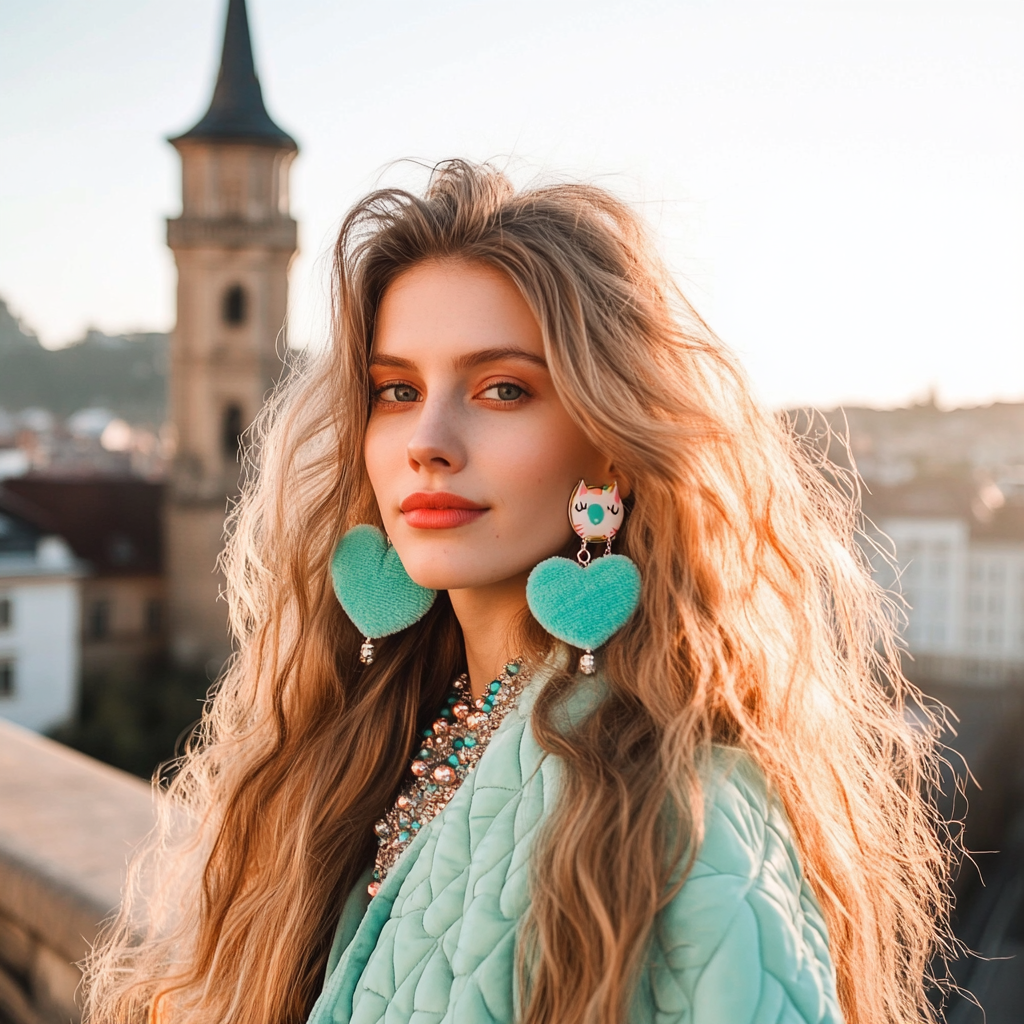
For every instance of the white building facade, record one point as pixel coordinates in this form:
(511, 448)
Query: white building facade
(39, 634)
(964, 595)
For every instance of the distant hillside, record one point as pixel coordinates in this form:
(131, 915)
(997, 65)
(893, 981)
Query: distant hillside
(124, 373)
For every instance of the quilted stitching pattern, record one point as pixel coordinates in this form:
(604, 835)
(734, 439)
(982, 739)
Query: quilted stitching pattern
(743, 942)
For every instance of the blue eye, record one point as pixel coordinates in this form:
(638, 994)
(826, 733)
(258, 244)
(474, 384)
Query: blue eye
(398, 393)
(505, 392)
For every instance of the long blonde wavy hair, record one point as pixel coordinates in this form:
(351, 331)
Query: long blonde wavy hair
(759, 627)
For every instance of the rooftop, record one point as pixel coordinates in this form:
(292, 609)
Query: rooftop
(237, 112)
(113, 524)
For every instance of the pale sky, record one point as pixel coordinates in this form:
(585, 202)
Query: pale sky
(838, 183)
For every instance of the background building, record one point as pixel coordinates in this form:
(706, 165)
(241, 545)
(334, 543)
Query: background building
(232, 244)
(39, 620)
(114, 528)
(959, 565)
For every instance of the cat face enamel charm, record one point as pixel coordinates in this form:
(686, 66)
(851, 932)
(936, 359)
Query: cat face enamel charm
(596, 513)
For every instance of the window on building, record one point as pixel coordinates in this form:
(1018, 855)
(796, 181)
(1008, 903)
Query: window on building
(231, 438)
(235, 303)
(6, 677)
(97, 625)
(154, 616)
(6, 612)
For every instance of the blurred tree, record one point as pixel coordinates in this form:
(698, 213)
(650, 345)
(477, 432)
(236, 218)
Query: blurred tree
(124, 373)
(136, 724)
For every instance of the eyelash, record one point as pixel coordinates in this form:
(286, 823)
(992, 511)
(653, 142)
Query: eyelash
(507, 384)
(378, 392)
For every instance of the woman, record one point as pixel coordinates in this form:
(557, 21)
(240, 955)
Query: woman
(413, 797)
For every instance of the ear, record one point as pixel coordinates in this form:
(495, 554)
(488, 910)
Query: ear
(616, 500)
(581, 491)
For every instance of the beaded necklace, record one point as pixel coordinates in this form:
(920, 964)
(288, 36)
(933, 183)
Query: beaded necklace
(449, 750)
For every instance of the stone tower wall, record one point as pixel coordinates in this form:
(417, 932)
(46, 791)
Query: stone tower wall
(232, 244)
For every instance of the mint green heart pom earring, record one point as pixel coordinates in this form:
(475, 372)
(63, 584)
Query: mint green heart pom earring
(581, 603)
(373, 587)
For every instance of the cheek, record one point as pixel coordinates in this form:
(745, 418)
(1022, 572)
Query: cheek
(536, 471)
(383, 450)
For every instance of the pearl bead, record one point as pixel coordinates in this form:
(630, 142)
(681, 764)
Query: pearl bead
(475, 720)
(403, 802)
(382, 830)
(444, 774)
(373, 888)
(419, 768)
(588, 664)
(460, 710)
(440, 728)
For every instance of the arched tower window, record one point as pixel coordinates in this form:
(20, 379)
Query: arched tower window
(235, 303)
(232, 430)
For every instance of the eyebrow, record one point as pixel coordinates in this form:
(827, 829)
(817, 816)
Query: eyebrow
(468, 361)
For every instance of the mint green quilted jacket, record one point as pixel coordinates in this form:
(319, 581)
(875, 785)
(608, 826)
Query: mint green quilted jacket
(743, 942)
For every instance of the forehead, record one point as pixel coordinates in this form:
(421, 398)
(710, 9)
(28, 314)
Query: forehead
(453, 307)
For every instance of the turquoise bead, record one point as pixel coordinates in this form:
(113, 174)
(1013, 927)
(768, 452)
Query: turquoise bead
(512, 668)
(495, 686)
(428, 733)
(454, 760)
(457, 744)
(424, 755)
(487, 707)
(403, 836)
(452, 700)
(376, 874)
(469, 742)
(415, 826)
(431, 788)
(446, 712)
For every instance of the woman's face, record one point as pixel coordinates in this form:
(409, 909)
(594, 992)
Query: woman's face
(469, 450)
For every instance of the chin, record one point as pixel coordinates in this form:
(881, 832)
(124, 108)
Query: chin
(457, 574)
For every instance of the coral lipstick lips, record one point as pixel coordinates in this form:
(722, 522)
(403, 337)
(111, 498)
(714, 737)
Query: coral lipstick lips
(437, 510)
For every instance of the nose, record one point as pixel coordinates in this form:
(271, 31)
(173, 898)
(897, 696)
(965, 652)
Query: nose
(437, 442)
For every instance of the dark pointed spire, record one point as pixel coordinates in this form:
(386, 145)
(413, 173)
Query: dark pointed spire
(237, 113)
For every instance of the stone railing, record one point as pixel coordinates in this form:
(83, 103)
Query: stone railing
(67, 826)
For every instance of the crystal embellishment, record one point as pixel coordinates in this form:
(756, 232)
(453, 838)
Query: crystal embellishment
(455, 742)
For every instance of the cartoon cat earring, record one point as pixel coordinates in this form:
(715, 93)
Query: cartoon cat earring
(371, 583)
(583, 602)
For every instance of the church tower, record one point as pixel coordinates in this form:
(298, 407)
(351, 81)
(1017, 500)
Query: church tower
(232, 245)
